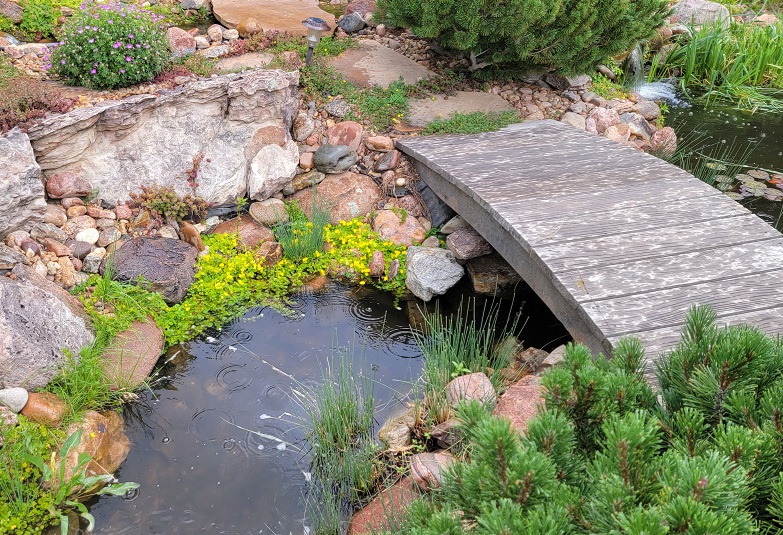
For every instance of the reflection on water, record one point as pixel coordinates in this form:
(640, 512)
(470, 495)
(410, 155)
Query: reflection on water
(218, 445)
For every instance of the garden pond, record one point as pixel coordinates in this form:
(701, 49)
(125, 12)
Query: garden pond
(753, 140)
(219, 440)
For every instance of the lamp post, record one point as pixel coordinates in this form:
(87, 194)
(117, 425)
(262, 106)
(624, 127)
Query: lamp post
(315, 27)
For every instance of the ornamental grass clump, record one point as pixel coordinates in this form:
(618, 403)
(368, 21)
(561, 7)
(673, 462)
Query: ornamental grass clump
(106, 46)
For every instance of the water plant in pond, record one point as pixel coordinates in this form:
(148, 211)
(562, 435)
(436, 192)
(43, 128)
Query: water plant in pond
(740, 64)
(345, 459)
(460, 343)
(606, 456)
(37, 489)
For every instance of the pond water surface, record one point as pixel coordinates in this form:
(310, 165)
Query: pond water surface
(757, 138)
(218, 444)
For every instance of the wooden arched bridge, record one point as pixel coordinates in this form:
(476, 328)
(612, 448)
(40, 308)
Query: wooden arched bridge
(615, 242)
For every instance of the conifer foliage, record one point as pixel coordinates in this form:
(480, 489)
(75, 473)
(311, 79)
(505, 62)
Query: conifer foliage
(607, 455)
(514, 36)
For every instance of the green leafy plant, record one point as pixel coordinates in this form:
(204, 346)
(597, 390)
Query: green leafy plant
(39, 18)
(165, 204)
(25, 507)
(71, 489)
(511, 37)
(604, 87)
(110, 45)
(472, 123)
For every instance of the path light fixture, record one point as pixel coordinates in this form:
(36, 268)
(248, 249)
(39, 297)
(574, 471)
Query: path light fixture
(315, 28)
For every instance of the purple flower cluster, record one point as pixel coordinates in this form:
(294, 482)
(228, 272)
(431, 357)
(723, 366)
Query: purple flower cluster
(89, 53)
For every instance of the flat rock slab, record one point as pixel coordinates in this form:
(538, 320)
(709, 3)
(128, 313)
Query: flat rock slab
(251, 60)
(132, 354)
(280, 15)
(370, 64)
(424, 111)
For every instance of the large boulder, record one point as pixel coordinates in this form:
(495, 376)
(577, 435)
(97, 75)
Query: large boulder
(22, 201)
(250, 233)
(348, 196)
(39, 324)
(701, 12)
(117, 146)
(167, 264)
(132, 354)
(431, 272)
(103, 438)
(11, 10)
(285, 16)
(398, 227)
(271, 169)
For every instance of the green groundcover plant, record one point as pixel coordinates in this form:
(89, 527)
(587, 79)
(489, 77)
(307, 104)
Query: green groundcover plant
(610, 455)
(112, 45)
(510, 37)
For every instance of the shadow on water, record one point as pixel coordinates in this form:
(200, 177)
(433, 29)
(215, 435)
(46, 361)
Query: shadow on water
(219, 442)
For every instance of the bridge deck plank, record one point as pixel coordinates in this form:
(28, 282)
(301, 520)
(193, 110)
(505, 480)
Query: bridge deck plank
(615, 241)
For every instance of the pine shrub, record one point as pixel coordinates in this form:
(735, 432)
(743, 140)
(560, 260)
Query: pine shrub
(606, 455)
(106, 46)
(514, 36)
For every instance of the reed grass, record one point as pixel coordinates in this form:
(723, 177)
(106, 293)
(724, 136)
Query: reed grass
(344, 455)
(301, 236)
(464, 342)
(741, 64)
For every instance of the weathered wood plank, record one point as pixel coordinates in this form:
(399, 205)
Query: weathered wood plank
(535, 160)
(662, 340)
(720, 265)
(625, 221)
(628, 195)
(667, 307)
(694, 237)
(614, 241)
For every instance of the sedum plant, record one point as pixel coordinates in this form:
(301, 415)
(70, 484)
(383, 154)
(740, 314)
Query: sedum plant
(106, 46)
(607, 455)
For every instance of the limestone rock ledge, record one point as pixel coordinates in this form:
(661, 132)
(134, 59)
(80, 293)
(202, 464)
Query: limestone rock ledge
(144, 139)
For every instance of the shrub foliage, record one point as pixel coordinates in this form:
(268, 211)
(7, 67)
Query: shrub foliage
(513, 36)
(608, 456)
(106, 46)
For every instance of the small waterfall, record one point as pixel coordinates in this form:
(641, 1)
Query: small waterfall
(660, 90)
(634, 66)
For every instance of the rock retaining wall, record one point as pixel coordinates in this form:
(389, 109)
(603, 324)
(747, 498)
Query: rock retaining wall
(234, 120)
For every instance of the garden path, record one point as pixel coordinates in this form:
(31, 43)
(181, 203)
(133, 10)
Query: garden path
(616, 242)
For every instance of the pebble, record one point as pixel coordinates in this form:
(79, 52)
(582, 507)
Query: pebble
(88, 235)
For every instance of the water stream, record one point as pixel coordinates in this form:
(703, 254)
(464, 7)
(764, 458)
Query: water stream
(218, 443)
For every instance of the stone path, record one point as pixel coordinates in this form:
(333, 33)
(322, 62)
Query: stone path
(280, 15)
(372, 64)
